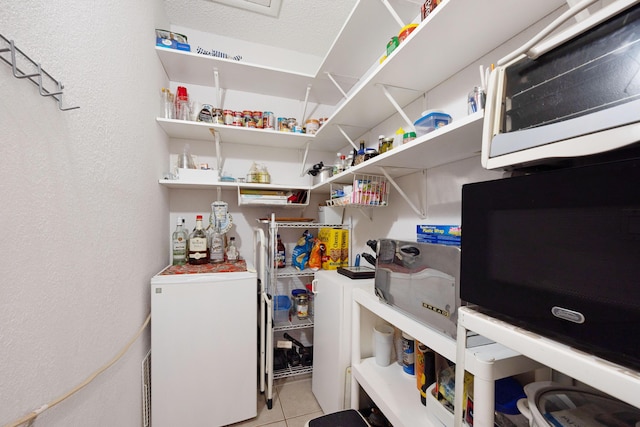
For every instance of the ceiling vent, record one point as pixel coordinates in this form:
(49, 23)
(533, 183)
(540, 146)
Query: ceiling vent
(265, 7)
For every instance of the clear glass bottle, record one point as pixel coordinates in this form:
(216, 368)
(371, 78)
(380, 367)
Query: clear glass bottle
(281, 255)
(179, 243)
(216, 243)
(198, 248)
(232, 250)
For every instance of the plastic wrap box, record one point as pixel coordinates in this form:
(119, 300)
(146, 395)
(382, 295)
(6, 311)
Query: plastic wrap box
(439, 234)
(172, 44)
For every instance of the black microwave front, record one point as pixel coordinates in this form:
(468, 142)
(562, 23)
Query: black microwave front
(558, 253)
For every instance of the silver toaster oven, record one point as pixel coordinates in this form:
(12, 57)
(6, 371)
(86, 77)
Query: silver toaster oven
(421, 280)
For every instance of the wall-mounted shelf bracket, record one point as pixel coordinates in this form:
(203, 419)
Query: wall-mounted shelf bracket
(421, 211)
(336, 84)
(353, 144)
(396, 106)
(35, 78)
(216, 138)
(216, 78)
(304, 159)
(306, 102)
(393, 13)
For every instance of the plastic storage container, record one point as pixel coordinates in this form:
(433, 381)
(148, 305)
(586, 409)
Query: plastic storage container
(430, 121)
(281, 307)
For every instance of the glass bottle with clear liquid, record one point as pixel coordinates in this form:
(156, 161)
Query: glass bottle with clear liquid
(216, 243)
(179, 243)
(232, 250)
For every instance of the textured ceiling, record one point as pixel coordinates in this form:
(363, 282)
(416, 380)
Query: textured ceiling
(308, 26)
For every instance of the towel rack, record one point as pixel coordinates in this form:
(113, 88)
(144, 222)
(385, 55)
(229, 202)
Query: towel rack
(36, 77)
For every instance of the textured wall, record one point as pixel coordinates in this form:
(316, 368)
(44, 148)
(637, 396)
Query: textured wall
(84, 217)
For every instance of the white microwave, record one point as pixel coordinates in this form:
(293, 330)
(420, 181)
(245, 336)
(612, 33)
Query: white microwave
(566, 96)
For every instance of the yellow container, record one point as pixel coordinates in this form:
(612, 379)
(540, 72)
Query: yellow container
(332, 239)
(345, 248)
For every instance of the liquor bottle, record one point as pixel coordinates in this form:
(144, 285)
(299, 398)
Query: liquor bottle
(179, 244)
(280, 254)
(232, 250)
(198, 248)
(216, 243)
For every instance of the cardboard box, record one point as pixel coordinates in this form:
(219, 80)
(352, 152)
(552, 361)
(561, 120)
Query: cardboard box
(345, 248)
(439, 234)
(172, 40)
(332, 239)
(172, 44)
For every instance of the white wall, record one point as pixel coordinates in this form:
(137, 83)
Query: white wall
(85, 219)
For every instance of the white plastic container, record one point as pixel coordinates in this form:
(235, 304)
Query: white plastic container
(383, 340)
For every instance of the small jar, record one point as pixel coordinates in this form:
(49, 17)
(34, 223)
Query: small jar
(312, 126)
(387, 143)
(408, 137)
(302, 305)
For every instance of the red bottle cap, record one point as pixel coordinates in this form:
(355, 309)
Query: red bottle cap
(181, 92)
(198, 217)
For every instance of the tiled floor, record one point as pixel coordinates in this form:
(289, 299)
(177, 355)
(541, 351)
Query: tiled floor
(293, 405)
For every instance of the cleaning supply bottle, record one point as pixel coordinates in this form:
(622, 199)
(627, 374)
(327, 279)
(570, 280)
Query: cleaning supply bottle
(397, 140)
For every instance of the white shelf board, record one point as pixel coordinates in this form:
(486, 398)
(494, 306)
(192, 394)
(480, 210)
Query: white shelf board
(504, 362)
(198, 69)
(618, 381)
(233, 134)
(438, 342)
(458, 140)
(425, 60)
(394, 392)
(183, 184)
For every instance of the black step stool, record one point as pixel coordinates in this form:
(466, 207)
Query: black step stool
(346, 418)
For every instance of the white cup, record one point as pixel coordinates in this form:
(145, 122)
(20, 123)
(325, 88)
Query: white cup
(383, 340)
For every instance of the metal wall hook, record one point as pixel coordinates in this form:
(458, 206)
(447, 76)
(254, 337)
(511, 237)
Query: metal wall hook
(35, 78)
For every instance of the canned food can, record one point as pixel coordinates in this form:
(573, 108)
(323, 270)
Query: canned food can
(257, 119)
(408, 356)
(238, 120)
(283, 124)
(228, 117)
(247, 116)
(218, 116)
(268, 120)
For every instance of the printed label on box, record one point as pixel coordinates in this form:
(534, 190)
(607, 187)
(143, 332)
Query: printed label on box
(332, 238)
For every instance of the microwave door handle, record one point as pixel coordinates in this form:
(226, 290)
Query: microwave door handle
(491, 124)
(526, 48)
(586, 24)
